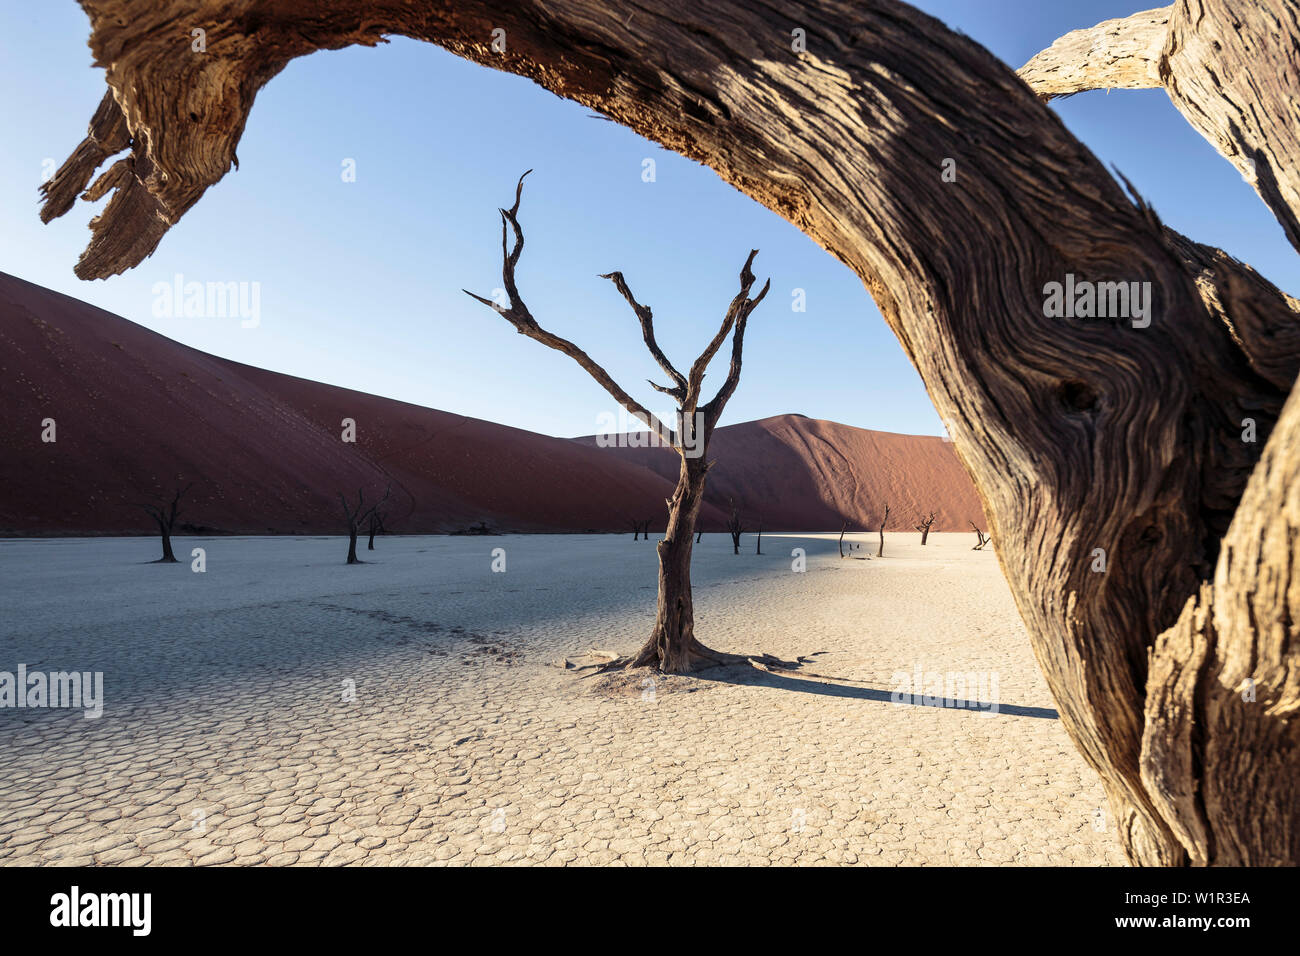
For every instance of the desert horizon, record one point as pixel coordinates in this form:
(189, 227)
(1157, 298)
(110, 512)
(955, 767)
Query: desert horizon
(267, 453)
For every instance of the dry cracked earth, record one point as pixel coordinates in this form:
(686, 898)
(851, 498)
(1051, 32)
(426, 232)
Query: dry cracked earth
(281, 708)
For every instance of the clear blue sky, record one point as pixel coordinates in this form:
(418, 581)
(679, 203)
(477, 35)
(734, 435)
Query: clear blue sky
(360, 282)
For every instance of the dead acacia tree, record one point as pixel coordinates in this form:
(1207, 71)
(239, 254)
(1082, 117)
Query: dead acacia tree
(758, 547)
(735, 527)
(844, 527)
(640, 528)
(1078, 434)
(924, 526)
(375, 525)
(884, 522)
(356, 516)
(164, 514)
(981, 538)
(672, 646)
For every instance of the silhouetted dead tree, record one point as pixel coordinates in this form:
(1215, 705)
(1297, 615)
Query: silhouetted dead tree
(672, 646)
(758, 548)
(356, 517)
(641, 528)
(698, 535)
(735, 527)
(980, 536)
(164, 515)
(844, 527)
(376, 525)
(884, 521)
(924, 526)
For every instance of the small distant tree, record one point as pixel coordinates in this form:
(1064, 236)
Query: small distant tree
(640, 528)
(924, 526)
(698, 535)
(980, 536)
(759, 547)
(844, 527)
(671, 646)
(376, 525)
(884, 522)
(735, 526)
(357, 516)
(164, 515)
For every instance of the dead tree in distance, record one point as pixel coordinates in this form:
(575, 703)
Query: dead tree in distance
(165, 515)
(758, 549)
(671, 646)
(735, 527)
(844, 527)
(924, 526)
(980, 536)
(880, 552)
(356, 517)
(376, 524)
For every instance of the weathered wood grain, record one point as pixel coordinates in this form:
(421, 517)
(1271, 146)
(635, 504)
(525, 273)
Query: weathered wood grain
(1232, 69)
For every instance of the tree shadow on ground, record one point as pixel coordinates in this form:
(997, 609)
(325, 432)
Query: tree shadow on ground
(753, 677)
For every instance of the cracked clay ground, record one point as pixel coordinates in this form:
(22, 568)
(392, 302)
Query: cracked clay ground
(226, 738)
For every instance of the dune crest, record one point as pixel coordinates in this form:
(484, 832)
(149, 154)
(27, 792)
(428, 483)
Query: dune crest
(136, 412)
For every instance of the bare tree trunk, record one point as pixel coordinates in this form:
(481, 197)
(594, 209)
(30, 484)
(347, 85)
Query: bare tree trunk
(165, 514)
(166, 533)
(1079, 434)
(758, 549)
(880, 552)
(672, 646)
(735, 527)
(844, 527)
(356, 515)
(924, 527)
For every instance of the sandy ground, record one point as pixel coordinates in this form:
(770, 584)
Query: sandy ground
(226, 736)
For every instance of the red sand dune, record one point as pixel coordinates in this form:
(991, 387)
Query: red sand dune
(138, 415)
(803, 474)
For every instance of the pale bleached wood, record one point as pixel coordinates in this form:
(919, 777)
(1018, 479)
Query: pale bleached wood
(1232, 69)
(1119, 54)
